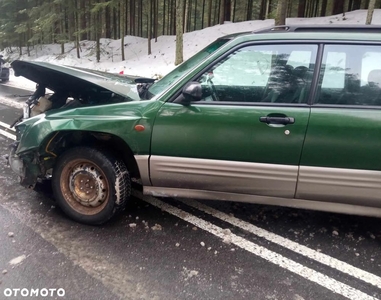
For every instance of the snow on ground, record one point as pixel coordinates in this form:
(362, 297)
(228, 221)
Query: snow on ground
(161, 61)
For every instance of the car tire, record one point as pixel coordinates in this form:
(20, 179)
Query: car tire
(90, 185)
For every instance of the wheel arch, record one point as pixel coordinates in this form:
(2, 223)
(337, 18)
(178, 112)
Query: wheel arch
(58, 142)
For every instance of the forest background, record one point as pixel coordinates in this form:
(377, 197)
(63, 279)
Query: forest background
(24, 24)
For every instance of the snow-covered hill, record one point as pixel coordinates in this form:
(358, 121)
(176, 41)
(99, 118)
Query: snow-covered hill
(161, 61)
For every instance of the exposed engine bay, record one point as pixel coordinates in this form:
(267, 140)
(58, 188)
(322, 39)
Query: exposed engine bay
(60, 87)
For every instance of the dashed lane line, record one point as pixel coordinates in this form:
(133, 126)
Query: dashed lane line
(286, 243)
(5, 125)
(273, 257)
(11, 103)
(8, 134)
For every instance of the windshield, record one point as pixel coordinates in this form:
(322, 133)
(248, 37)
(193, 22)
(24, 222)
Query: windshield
(167, 80)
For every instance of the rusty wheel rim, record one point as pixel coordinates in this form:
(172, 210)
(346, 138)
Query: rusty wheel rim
(84, 186)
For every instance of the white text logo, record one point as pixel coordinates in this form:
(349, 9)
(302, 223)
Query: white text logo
(34, 292)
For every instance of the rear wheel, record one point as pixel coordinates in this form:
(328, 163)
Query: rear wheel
(90, 185)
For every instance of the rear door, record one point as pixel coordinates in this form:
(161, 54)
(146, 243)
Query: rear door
(341, 156)
(246, 134)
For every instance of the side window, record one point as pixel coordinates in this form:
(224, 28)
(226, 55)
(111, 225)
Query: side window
(267, 73)
(350, 75)
(334, 71)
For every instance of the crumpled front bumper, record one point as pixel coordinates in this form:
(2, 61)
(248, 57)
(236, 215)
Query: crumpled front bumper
(26, 167)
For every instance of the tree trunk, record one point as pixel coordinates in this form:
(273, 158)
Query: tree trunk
(122, 28)
(222, 12)
(267, 8)
(77, 35)
(107, 18)
(195, 16)
(164, 7)
(234, 10)
(280, 18)
(364, 4)
(149, 26)
(249, 9)
(185, 16)
(62, 30)
(209, 13)
(173, 29)
(323, 8)
(126, 18)
(227, 10)
(132, 17)
(179, 32)
(189, 17)
(140, 20)
(262, 10)
(203, 14)
(289, 8)
(369, 16)
(156, 18)
(216, 13)
(81, 19)
(316, 8)
(356, 4)
(338, 7)
(98, 38)
(350, 5)
(302, 8)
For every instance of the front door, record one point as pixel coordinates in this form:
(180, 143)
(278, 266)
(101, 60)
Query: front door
(247, 133)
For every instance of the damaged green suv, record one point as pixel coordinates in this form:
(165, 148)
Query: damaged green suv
(286, 116)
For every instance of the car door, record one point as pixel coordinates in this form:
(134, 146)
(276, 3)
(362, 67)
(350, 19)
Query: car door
(341, 156)
(246, 134)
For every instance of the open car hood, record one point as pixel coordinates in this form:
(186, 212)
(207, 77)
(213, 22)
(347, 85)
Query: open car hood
(78, 82)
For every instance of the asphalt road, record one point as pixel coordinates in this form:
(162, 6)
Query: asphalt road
(181, 249)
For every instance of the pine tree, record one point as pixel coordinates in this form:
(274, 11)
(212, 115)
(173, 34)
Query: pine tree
(179, 32)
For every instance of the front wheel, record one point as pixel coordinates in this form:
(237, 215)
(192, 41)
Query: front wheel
(90, 185)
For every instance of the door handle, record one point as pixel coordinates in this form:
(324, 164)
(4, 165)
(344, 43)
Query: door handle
(277, 120)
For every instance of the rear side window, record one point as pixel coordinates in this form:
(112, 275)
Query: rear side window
(350, 75)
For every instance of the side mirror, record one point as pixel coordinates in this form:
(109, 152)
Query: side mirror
(192, 91)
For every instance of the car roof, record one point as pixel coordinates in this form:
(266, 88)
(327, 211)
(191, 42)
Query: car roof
(313, 32)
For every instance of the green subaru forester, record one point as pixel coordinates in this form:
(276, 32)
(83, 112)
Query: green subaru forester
(286, 116)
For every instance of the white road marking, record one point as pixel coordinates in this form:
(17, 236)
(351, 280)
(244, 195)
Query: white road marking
(6, 126)
(18, 260)
(11, 103)
(8, 134)
(286, 243)
(275, 258)
(117, 278)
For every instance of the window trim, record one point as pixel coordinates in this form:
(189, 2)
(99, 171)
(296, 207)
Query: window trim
(315, 77)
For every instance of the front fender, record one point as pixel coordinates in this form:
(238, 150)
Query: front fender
(117, 119)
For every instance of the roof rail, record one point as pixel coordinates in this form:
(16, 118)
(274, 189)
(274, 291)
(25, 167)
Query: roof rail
(323, 28)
